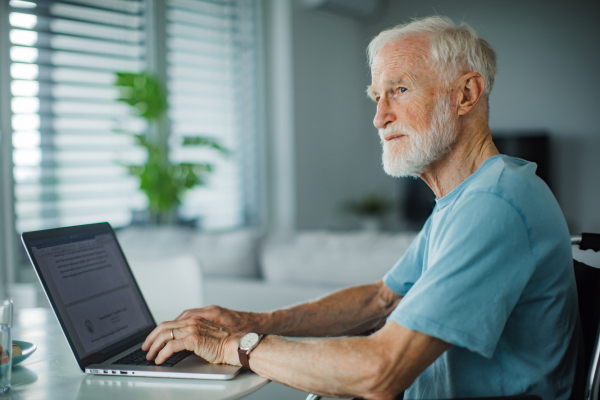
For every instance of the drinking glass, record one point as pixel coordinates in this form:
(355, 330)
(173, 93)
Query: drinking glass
(6, 313)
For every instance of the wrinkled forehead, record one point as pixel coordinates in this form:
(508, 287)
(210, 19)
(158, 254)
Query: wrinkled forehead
(409, 54)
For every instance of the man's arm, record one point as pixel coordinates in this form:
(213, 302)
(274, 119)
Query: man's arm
(348, 311)
(374, 367)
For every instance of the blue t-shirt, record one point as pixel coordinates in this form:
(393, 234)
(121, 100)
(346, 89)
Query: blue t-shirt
(491, 273)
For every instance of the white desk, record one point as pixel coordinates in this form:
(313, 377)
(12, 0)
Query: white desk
(52, 372)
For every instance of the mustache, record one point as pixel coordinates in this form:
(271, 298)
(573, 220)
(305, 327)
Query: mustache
(397, 127)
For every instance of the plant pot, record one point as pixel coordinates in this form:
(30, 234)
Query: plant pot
(371, 224)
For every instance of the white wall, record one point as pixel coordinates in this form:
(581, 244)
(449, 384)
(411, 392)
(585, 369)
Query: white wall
(548, 61)
(337, 148)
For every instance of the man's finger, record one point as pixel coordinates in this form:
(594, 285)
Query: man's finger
(152, 336)
(159, 336)
(159, 342)
(207, 312)
(172, 347)
(183, 315)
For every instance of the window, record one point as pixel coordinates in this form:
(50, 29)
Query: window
(67, 151)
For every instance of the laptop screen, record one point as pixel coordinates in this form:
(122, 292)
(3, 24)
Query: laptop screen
(91, 288)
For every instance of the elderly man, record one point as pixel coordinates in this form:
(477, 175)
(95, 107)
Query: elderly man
(482, 304)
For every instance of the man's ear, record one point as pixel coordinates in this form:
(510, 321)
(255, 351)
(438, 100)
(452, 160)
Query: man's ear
(470, 91)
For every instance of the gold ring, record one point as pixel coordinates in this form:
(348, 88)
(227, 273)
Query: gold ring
(172, 336)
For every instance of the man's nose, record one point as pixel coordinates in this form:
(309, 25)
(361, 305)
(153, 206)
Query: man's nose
(384, 114)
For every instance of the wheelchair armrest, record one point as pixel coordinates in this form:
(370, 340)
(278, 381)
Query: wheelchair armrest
(590, 241)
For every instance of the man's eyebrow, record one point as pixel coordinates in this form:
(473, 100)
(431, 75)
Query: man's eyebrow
(372, 93)
(394, 81)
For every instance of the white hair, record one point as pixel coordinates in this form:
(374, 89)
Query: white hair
(453, 48)
(423, 148)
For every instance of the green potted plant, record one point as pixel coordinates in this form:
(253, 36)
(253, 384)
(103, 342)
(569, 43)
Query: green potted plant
(163, 181)
(370, 209)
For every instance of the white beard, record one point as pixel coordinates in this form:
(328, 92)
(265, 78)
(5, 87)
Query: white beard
(422, 149)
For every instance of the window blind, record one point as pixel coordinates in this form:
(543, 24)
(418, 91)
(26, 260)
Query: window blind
(212, 61)
(67, 154)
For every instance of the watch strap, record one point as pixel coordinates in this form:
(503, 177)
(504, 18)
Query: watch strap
(244, 358)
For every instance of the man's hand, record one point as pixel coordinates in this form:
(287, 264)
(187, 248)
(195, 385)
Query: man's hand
(241, 321)
(215, 343)
(374, 367)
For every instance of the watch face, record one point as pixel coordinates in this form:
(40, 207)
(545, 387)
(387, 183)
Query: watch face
(248, 341)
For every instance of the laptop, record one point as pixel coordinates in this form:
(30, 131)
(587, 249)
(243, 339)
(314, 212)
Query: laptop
(100, 307)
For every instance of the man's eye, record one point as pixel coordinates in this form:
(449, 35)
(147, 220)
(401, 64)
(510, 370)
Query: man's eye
(401, 89)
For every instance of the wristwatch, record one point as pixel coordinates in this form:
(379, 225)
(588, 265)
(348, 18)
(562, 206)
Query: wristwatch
(247, 343)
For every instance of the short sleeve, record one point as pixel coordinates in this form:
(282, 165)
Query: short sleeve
(479, 260)
(409, 267)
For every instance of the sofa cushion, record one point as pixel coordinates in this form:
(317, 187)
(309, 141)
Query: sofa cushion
(333, 258)
(258, 295)
(169, 285)
(223, 254)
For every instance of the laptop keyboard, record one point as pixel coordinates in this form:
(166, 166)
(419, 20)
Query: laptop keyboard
(138, 357)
